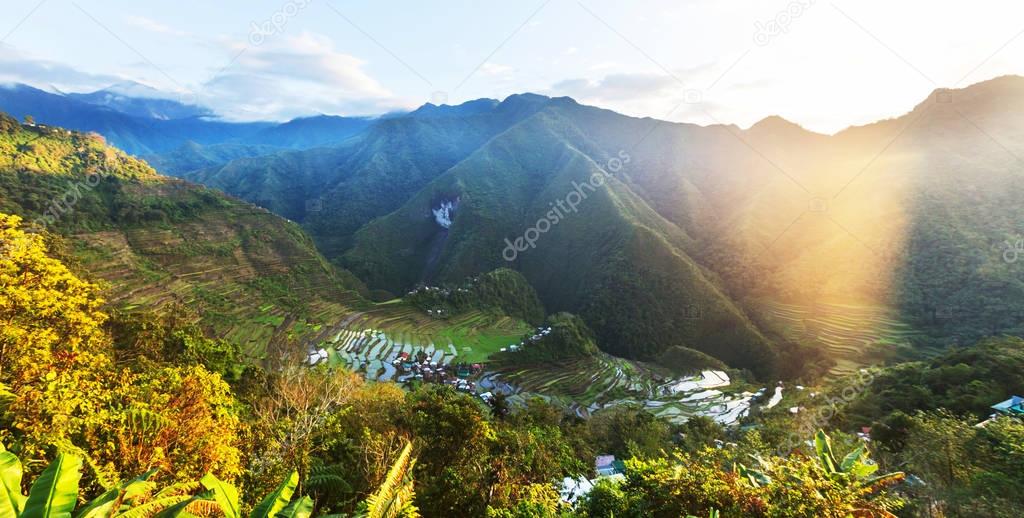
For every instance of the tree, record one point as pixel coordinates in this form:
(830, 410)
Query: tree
(54, 355)
(712, 480)
(499, 405)
(298, 416)
(454, 443)
(181, 420)
(937, 450)
(700, 432)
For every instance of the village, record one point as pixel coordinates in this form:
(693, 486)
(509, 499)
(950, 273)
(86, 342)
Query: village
(609, 382)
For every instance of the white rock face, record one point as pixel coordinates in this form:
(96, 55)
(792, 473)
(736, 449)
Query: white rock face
(444, 214)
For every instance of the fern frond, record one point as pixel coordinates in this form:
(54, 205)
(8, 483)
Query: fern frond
(329, 478)
(395, 496)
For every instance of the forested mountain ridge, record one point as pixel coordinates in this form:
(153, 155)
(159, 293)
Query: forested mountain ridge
(158, 242)
(613, 260)
(336, 190)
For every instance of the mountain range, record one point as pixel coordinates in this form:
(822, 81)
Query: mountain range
(136, 120)
(664, 237)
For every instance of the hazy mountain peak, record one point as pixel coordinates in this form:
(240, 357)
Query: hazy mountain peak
(473, 107)
(135, 89)
(778, 125)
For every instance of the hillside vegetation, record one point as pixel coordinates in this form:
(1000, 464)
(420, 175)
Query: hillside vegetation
(159, 242)
(135, 425)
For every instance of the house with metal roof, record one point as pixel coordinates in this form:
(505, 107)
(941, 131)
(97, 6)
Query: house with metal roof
(1013, 406)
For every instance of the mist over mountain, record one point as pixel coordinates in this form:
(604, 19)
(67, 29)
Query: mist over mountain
(139, 100)
(142, 121)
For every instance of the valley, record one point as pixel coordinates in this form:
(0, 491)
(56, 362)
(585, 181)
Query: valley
(374, 342)
(593, 259)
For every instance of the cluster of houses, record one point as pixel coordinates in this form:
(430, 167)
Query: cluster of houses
(420, 367)
(534, 338)
(441, 293)
(437, 290)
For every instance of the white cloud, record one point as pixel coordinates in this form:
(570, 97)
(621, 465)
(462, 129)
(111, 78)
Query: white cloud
(17, 67)
(678, 97)
(618, 87)
(152, 25)
(494, 69)
(289, 76)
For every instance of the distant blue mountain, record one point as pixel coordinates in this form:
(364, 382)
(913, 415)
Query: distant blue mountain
(138, 100)
(132, 117)
(309, 132)
(134, 134)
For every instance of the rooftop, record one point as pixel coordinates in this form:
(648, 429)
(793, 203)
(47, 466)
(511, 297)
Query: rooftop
(1014, 406)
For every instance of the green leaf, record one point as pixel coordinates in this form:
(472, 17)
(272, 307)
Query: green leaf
(225, 494)
(154, 507)
(888, 478)
(277, 500)
(300, 508)
(863, 469)
(823, 446)
(102, 505)
(11, 500)
(177, 510)
(55, 492)
(851, 459)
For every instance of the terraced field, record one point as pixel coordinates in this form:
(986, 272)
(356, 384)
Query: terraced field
(592, 384)
(248, 277)
(373, 338)
(847, 331)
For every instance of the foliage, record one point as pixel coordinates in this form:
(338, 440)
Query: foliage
(966, 470)
(710, 480)
(569, 338)
(54, 355)
(962, 380)
(503, 290)
(394, 498)
(71, 394)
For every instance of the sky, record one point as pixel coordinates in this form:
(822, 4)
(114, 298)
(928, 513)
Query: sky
(824, 65)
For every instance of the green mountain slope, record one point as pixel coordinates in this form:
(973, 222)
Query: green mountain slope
(247, 275)
(191, 156)
(613, 260)
(335, 191)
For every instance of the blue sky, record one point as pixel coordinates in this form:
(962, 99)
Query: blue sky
(825, 65)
